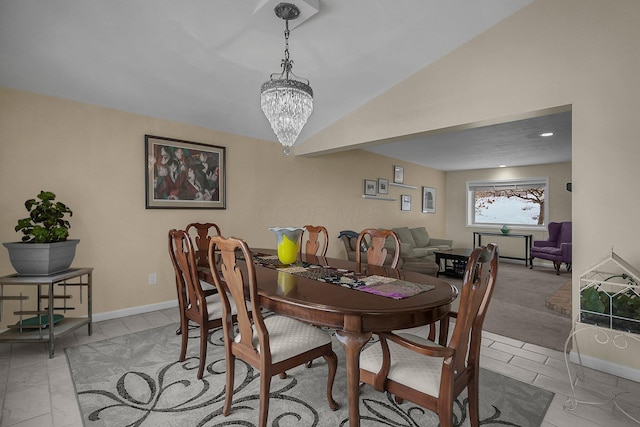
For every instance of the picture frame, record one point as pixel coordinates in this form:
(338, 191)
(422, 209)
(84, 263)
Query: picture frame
(398, 174)
(405, 202)
(428, 200)
(184, 174)
(383, 186)
(370, 187)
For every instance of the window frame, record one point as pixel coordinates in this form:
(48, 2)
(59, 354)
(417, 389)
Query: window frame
(472, 186)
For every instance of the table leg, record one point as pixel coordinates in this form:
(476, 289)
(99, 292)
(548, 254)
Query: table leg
(50, 316)
(89, 306)
(353, 343)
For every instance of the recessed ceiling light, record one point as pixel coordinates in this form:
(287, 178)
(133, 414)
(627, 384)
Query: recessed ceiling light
(546, 134)
(502, 166)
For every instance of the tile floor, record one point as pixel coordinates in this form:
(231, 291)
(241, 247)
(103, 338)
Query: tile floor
(36, 391)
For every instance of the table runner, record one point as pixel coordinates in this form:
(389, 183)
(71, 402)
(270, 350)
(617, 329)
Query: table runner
(375, 284)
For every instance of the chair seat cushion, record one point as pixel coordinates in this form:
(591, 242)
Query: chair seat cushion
(546, 250)
(289, 337)
(412, 369)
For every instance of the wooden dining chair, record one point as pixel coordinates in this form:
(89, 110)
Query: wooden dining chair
(270, 344)
(203, 307)
(374, 241)
(317, 240)
(201, 234)
(433, 374)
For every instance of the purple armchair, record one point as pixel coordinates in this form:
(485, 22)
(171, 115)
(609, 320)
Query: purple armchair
(556, 248)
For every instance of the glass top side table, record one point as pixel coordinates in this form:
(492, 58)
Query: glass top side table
(63, 286)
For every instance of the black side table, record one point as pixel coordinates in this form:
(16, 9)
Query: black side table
(457, 261)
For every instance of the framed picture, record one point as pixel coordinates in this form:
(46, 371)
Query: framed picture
(405, 202)
(184, 174)
(398, 174)
(383, 186)
(370, 187)
(428, 200)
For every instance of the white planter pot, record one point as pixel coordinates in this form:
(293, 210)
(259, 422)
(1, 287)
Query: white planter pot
(41, 259)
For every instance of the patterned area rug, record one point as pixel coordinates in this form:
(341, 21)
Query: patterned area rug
(135, 380)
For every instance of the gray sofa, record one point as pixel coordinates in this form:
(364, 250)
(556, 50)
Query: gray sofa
(416, 248)
(416, 242)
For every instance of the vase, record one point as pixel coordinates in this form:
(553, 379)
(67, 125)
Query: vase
(287, 243)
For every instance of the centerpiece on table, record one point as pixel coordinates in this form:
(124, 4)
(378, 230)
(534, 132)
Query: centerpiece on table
(287, 241)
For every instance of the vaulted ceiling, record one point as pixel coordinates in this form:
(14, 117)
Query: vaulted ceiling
(202, 62)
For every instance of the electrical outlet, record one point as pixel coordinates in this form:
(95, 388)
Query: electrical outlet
(153, 278)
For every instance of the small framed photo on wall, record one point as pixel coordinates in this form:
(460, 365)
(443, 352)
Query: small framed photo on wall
(428, 200)
(405, 202)
(370, 187)
(383, 186)
(398, 174)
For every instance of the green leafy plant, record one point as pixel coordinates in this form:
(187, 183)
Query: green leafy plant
(593, 300)
(46, 222)
(622, 305)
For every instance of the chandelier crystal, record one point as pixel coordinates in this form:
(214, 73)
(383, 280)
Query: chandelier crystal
(286, 102)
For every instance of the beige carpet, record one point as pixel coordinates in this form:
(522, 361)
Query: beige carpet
(518, 308)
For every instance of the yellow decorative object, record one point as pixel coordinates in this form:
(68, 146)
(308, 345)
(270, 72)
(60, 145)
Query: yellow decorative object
(287, 238)
(287, 283)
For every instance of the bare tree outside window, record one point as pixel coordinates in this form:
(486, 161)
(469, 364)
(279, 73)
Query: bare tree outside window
(498, 203)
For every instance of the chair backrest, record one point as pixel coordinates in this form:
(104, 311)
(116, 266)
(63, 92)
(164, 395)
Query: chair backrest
(477, 287)
(242, 287)
(201, 233)
(565, 234)
(317, 240)
(191, 297)
(554, 231)
(377, 252)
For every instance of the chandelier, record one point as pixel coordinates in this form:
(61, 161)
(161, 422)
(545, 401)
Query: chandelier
(285, 101)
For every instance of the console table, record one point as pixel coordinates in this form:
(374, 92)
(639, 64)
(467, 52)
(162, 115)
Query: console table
(528, 240)
(51, 288)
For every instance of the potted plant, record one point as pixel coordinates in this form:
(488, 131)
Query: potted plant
(45, 248)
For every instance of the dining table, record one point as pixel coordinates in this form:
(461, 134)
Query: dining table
(320, 291)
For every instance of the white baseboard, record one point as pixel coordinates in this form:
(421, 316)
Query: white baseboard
(116, 314)
(605, 366)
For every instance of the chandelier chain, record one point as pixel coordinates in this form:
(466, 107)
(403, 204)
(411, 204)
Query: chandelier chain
(287, 63)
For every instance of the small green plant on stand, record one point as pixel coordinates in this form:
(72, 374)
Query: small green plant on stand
(622, 305)
(46, 222)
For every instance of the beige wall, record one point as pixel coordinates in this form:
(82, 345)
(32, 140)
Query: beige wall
(559, 203)
(93, 159)
(551, 53)
(581, 53)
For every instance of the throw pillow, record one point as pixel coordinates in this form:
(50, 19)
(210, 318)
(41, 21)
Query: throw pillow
(404, 234)
(420, 236)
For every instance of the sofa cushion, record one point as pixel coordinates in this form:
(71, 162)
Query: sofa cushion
(420, 237)
(406, 250)
(405, 236)
(422, 252)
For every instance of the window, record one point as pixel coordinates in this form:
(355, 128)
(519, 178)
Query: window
(521, 203)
